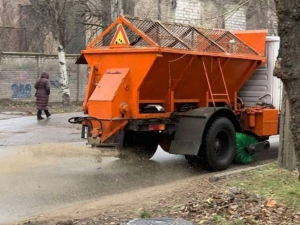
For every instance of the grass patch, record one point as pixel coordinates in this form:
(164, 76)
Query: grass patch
(145, 214)
(221, 220)
(217, 218)
(273, 182)
(239, 222)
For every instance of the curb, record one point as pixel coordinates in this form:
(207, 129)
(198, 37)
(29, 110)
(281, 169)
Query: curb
(14, 113)
(228, 174)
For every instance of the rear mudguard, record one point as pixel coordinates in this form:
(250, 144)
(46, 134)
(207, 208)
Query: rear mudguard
(194, 124)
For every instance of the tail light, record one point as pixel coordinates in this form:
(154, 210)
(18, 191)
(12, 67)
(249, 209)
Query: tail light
(156, 127)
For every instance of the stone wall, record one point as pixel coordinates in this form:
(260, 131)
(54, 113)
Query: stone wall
(19, 72)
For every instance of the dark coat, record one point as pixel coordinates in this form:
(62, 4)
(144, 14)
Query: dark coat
(42, 87)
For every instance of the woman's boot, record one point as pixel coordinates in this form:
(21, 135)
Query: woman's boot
(47, 113)
(39, 115)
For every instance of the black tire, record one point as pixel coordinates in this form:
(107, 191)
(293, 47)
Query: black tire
(139, 145)
(219, 145)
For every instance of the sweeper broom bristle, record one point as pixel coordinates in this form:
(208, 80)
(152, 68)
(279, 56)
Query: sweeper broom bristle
(242, 141)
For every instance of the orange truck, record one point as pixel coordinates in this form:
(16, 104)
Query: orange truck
(153, 83)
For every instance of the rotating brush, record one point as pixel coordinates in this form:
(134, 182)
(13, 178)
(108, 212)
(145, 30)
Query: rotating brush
(243, 141)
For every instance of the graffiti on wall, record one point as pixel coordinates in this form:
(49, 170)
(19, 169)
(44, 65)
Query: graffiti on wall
(54, 83)
(72, 75)
(23, 67)
(57, 84)
(55, 74)
(22, 76)
(21, 90)
(22, 73)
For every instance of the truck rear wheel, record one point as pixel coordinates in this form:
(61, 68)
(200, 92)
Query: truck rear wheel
(139, 145)
(219, 145)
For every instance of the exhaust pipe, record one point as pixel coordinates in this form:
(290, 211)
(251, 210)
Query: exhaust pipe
(266, 145)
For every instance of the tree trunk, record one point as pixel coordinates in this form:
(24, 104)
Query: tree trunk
(64, 81)
(159, 10)
(128, 7)
(288, 62)
(286, 156)
(106, 18)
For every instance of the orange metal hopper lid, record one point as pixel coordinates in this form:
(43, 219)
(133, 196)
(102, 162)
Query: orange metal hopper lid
(131, 34)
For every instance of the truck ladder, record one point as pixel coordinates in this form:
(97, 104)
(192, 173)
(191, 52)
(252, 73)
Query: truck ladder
(209, 84)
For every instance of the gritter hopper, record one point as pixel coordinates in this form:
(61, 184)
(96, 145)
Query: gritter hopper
(143, 71)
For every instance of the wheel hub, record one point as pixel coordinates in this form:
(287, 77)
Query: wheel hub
(217, 144)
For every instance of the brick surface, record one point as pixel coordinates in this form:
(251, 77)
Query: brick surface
(236, 19)
(19, 72)
(194, 12)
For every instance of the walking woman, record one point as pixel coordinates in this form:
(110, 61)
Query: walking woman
(42, 87)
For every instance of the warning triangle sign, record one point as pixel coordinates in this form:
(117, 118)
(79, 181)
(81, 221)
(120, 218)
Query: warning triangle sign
(120, 37)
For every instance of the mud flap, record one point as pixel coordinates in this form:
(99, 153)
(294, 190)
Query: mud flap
(191, 127)
(187, 140)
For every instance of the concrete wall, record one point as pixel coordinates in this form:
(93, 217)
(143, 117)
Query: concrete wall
(19, 72)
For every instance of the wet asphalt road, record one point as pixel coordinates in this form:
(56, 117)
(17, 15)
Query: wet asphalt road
(45, 165)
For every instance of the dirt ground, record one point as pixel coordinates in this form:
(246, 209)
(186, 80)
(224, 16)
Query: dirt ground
(197, 199)
(29, 108)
